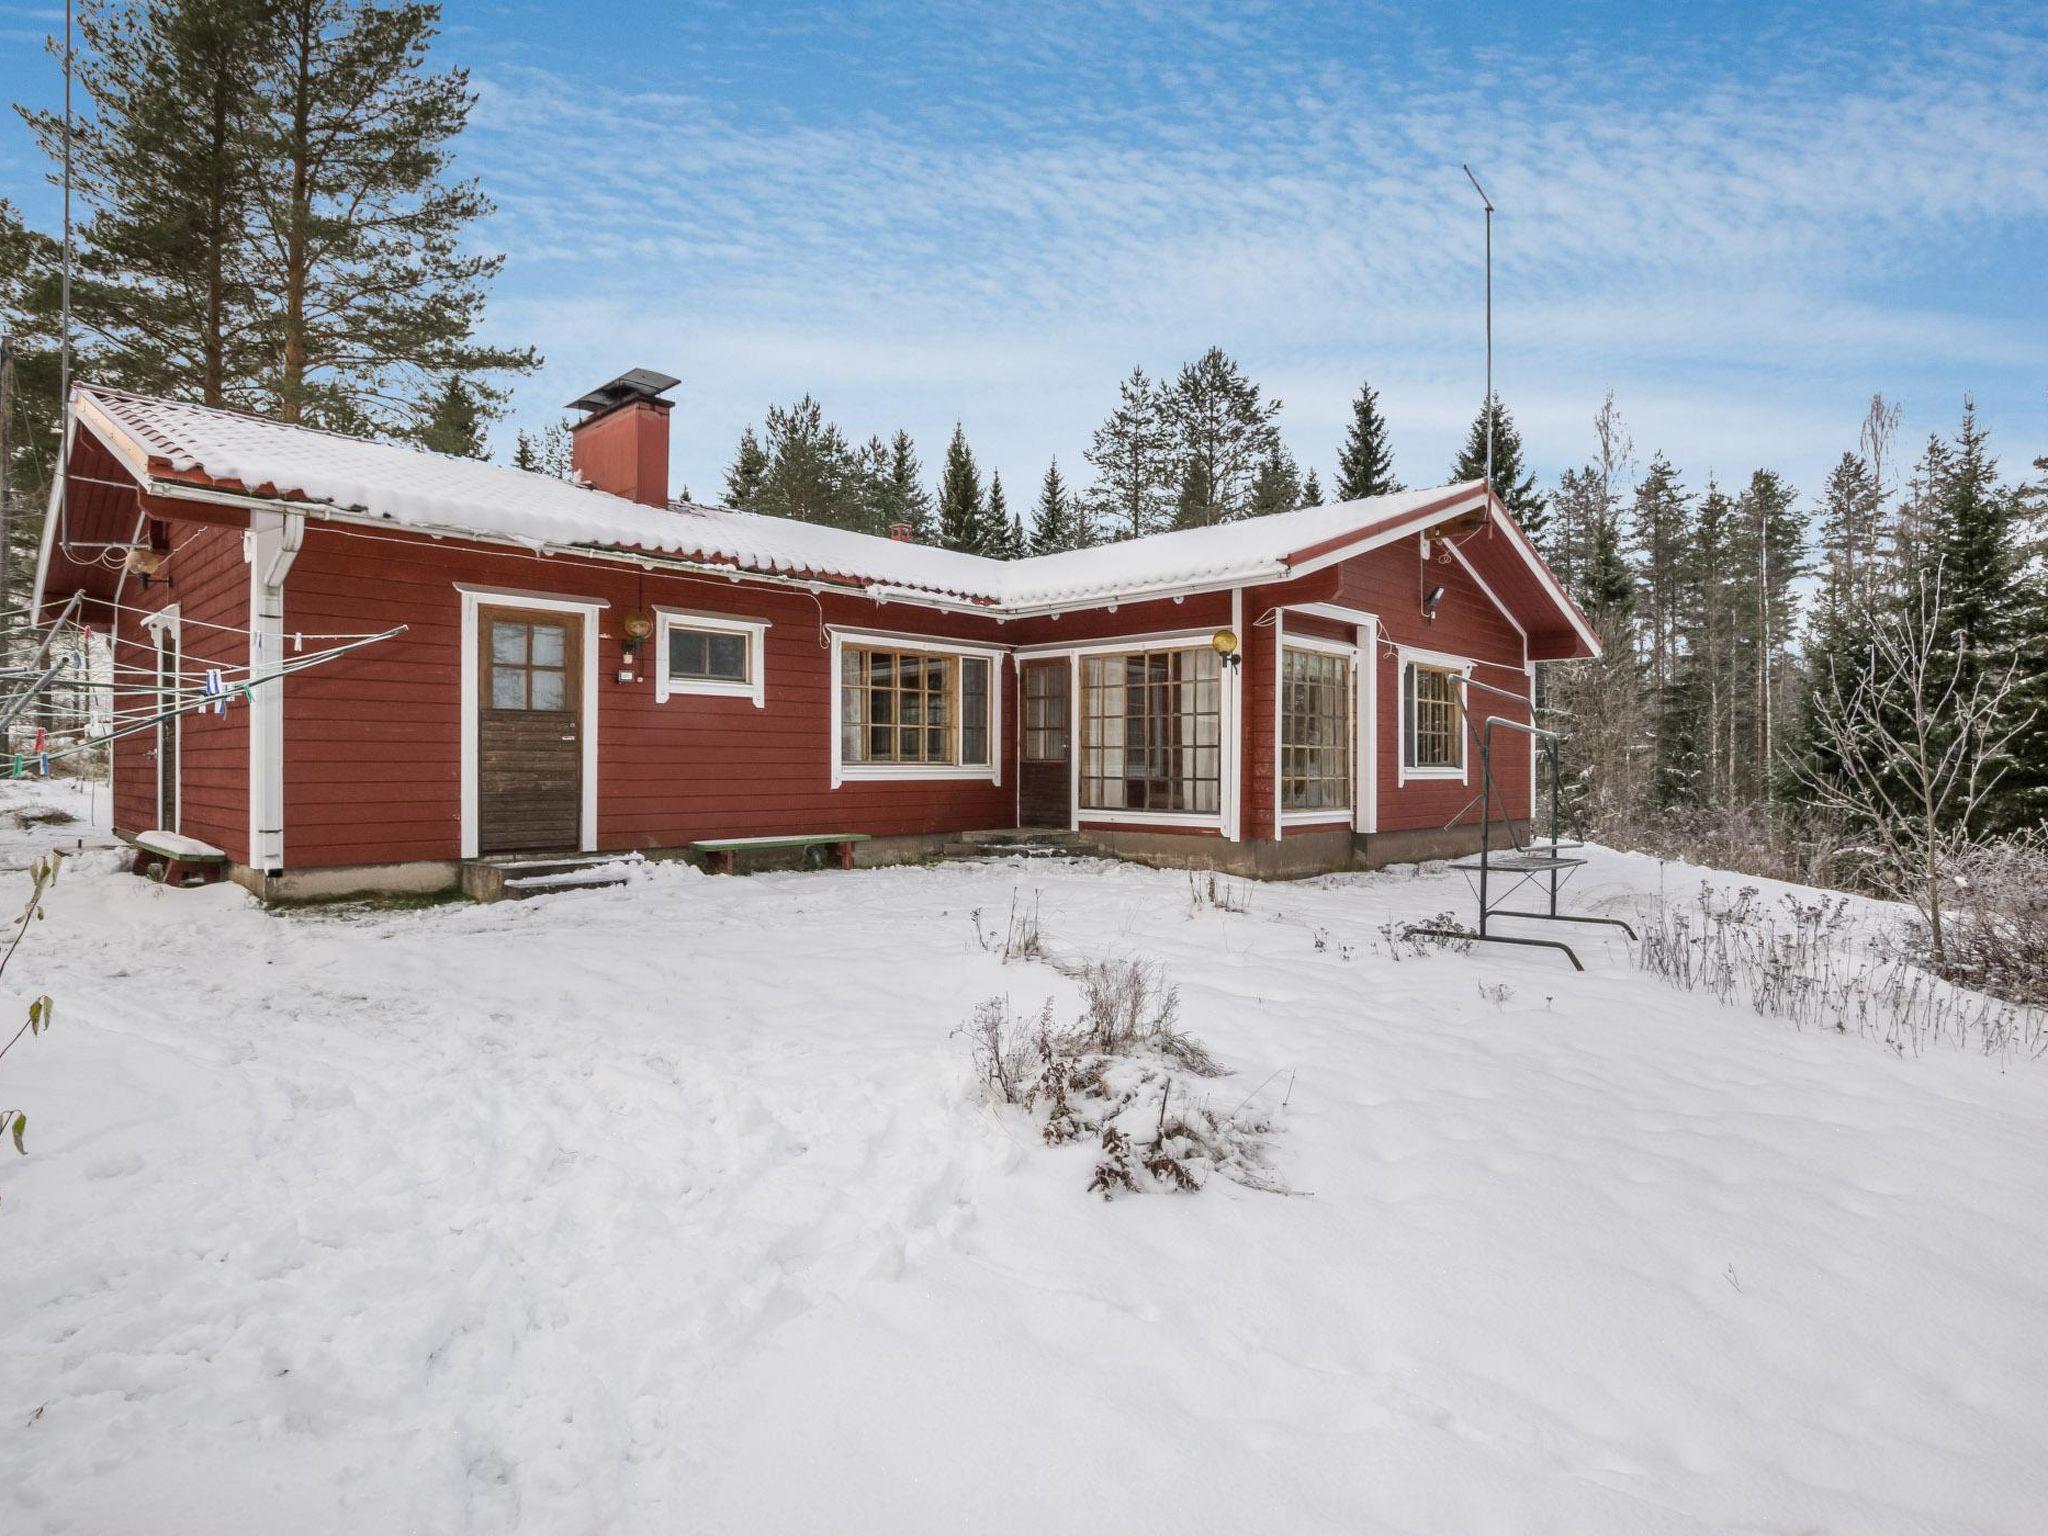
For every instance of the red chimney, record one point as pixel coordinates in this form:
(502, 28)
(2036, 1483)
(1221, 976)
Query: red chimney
(900, 532)
(622, 445)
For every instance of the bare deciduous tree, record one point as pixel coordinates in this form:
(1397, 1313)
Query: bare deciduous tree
(1916, 746)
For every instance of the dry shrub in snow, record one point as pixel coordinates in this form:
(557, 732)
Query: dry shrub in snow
(1112, 1076)
(1021, 938)
(1997, 923)
(1811, 961)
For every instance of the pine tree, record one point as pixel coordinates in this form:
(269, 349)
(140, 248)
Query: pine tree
(454, 421)
(1974, 533)
(1707, 678)
(1365, 463)
(1053, 522)
(1515, 486)
(1133, 463)
(749, 468)
(962, 514)
(372, 292)
(1277, 487)
(162, 161)
(1220, 432)
(1311, 491)
(548, 453)
(1768, 554)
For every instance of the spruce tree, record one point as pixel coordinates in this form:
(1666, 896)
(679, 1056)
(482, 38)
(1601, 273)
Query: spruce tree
(549, 452)
(1220, 432)
(1768, 555)
(1365, 463)
(1658, 538)
(901, 492)
(1053, 522)
(811, 474)
(1002, 535)
(743, 477)
(454, 421)
(1848, 528)
(371, 289)
(162, 159)
(962, 513)
(1277, 487)
(1133, 462)
(1311, 491)
(1515, 486)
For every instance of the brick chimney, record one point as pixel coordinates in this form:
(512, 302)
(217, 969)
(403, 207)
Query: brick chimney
(622, 445)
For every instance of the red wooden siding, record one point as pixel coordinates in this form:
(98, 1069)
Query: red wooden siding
(208, 580)
(373, 741)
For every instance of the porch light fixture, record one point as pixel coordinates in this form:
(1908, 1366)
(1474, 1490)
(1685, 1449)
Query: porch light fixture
(143, 562)
(638, 626)
(1224, 643)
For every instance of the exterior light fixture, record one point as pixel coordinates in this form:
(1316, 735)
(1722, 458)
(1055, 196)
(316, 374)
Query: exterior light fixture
(638, 626)
(1224, 643)
(1430, 599)
(143, 563)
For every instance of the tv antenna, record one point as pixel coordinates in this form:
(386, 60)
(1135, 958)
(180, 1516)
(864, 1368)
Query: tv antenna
(1488, 202)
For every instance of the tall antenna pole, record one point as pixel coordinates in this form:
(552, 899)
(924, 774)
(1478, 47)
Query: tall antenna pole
(1488, 202)
(64, 333)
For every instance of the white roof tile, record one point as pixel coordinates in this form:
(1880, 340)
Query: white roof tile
(414, 488)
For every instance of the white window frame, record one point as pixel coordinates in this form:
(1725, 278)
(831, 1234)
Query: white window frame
(755, 687)
(844, 772)
(1322, 815)
(1443, 661)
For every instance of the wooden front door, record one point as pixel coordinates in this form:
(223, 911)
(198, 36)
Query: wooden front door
(529, 730)
(1045, 785)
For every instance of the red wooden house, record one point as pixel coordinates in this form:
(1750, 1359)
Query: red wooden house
(595, 668)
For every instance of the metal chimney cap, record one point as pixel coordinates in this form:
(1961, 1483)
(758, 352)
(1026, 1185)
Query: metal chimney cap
(633, 384)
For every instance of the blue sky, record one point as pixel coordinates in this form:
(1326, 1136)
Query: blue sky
(1741, 218)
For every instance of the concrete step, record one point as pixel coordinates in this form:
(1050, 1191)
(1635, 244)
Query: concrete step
(1028, 843)
(519, 876)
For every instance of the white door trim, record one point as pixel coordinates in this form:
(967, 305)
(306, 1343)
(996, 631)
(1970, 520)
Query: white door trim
(474, 598)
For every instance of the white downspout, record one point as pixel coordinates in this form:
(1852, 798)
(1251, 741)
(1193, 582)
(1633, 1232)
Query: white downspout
(270, 546)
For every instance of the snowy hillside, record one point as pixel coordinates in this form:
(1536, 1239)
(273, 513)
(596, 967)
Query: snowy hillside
(674, 1208)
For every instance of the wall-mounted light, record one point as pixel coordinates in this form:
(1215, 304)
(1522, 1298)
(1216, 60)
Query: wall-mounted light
(1224, 643)
(1430, 599)
(142, 562)
(637, 627)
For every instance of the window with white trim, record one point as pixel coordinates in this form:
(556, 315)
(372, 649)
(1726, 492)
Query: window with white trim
(1152, 731)
(1315, 730)
(701, 653)
(1432, 722)
(904, 706)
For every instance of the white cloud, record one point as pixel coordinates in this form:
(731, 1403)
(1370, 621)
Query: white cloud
(1742, 253)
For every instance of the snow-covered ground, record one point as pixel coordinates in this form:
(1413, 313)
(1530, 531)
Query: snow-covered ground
(673, 1208)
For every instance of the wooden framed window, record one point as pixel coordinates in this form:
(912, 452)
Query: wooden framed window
(1432, 722)
(1046, 714)
(529, 665)
(911, 707)
(702, 653)
(1315, 730)
(1152, 732)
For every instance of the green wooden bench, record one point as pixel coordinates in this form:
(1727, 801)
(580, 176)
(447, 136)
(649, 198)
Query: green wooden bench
(719, 851)
(175, 860)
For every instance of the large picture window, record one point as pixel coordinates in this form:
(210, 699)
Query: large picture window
(1432, 723)
(1152, 732)
(1315, 730)
(912, 707)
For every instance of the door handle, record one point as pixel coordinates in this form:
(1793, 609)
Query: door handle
(570, 737)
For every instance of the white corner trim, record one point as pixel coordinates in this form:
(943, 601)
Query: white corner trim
(1232, 728)
(756, 631)
(474, 598)
(1367, 792)
(843, 772)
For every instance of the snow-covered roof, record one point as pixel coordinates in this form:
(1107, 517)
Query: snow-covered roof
(170, 441)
